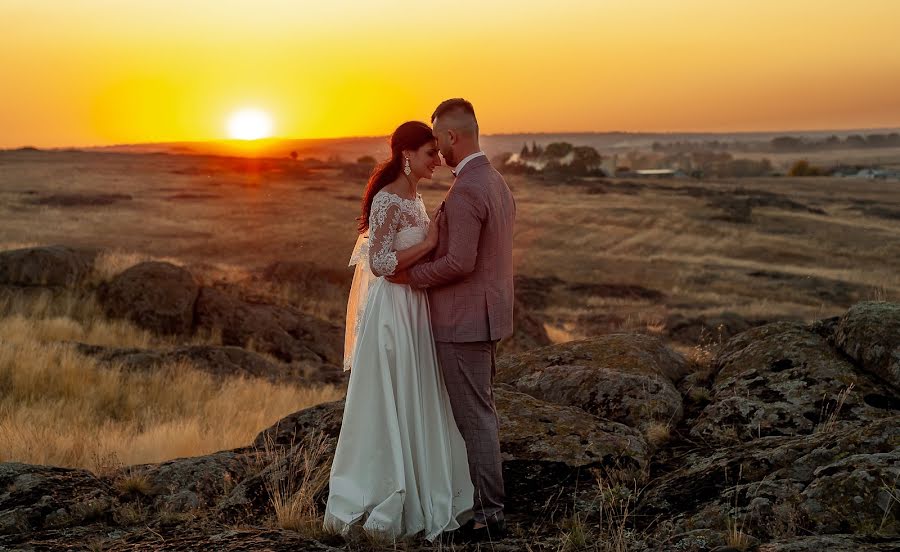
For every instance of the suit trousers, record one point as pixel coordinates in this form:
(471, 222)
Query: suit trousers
(469, 370)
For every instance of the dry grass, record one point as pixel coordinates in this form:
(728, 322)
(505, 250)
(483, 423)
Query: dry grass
(296, 476)
(829, 415)
(133, 483)
(63, 409)
(658, 434)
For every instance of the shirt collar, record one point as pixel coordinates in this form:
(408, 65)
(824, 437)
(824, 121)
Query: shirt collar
(459, 167)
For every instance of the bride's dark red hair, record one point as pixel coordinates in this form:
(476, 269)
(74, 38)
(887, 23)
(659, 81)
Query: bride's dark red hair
(411, 135)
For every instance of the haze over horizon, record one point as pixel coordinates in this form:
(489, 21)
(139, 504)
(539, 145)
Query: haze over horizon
(99, 72)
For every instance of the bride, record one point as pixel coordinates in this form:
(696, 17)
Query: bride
(400, 466)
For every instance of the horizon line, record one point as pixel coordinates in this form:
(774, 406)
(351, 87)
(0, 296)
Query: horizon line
(495, 134)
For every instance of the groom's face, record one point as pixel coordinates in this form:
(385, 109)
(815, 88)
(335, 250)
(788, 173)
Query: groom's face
(444, 143)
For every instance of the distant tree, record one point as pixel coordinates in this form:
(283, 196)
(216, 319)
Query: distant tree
(366, 160)
(803, 168)
(786, 143)
(855, 141)
(877, 140)
(586, 159)
(558, 150)
(294, 155)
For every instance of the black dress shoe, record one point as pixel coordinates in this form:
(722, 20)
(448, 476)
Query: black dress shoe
(493, 531)
(457, 536)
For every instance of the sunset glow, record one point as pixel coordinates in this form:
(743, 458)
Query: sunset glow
(101, 72)
(250, 124)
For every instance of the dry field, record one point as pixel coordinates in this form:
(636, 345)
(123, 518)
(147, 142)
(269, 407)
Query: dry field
(810, 246)
(592, 256)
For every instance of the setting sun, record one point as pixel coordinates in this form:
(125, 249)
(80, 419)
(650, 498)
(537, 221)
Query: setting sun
(250, 124)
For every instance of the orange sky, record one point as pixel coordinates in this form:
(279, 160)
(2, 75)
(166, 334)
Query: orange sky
(89, 72)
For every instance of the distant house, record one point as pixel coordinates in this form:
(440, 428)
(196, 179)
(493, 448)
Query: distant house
(656, 173)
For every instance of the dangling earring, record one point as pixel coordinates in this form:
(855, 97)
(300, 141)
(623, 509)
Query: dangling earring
(406, 169)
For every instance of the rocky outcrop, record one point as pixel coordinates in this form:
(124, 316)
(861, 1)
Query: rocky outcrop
(784, 379)
(767, 455)
(627, 378)
(52, 266)
(839, 482)
(547, 449)
(155, 296)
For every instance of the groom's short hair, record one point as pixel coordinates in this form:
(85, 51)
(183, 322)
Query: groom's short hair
(455, 106)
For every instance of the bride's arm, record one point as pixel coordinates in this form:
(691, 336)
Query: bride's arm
(383, 259)
(411, 255)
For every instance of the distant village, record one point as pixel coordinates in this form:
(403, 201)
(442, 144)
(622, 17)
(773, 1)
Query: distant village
(679, 160)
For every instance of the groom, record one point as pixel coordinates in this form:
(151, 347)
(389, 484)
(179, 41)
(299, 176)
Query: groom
(470, 291)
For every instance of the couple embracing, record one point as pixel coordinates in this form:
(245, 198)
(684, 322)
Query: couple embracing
(419, 450)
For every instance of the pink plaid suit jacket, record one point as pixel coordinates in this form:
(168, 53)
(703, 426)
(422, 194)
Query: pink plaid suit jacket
(470, 278)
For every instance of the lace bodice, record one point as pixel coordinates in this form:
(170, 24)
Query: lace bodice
(395, 223)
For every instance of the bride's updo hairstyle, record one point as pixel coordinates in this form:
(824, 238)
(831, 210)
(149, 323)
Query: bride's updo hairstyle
(409, 136)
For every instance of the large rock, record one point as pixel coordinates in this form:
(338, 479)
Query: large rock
(217, 361)
(185, 484)
(837, 482)
(34, 498)
(547, 449)
(54, 265)
(283, 332)
(834, 543)
(156, 296)
(783, 379)
(628, 378)
(869, 333)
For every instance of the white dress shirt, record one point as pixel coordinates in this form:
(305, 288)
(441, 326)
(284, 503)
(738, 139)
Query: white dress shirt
(462, 163)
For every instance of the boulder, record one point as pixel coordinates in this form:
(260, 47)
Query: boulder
(869, 333)
(153, 295)
(34, 498)
(217, 361)
(283, 332)
(784, 379)
(185, 484)
(54, 265)
(627, 378)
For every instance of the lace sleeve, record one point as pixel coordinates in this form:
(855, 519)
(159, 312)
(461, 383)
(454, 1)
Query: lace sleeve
(383, 221)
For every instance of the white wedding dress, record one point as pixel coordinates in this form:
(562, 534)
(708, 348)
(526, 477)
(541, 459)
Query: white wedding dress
(400, 466)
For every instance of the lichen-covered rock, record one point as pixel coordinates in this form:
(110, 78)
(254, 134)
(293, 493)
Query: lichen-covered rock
(833, 543)
(54, 265)
(217, 361)
(283, 332)
(34, 498)
(631, 353)
(155, 296)
(783, 379)
(546, 449)
(627, 378)
(188, 483)
(785, 486)
(855, 495)
(869, 333)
